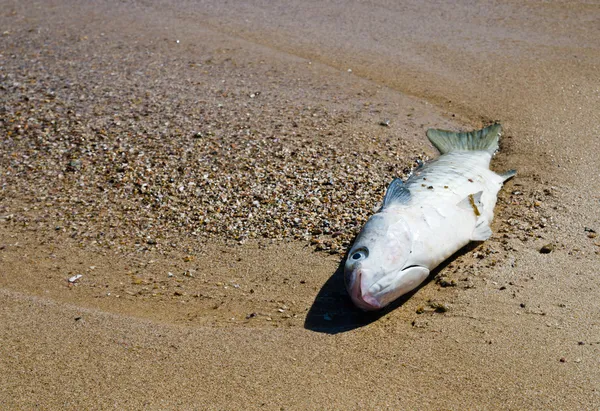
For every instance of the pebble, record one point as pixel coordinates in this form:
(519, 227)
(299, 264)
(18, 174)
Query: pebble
(446, 282)
(439, 307)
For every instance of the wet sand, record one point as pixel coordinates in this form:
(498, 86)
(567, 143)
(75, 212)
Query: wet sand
(185, 302)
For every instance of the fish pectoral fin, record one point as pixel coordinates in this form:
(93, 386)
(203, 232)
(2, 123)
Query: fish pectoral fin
(482, 231)
(473, 202)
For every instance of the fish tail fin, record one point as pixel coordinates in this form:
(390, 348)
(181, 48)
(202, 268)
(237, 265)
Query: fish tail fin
(483, 140)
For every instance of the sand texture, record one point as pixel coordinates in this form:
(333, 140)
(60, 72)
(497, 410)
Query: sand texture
(199, 169)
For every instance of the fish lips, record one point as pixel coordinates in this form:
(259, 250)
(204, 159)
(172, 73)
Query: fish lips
(364, 301)
(408, 279)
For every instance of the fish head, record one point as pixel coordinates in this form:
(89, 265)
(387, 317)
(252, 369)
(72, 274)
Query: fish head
(377, 270)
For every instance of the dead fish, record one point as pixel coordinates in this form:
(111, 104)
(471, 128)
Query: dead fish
(442, 206)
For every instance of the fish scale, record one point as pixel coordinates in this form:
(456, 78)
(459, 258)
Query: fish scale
(457, 168)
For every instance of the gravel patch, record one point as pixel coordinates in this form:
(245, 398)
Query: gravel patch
(135, 147)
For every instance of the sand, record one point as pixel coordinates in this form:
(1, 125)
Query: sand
(110, 110)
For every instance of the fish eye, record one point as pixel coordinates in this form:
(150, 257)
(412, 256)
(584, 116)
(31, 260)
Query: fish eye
(360, 254)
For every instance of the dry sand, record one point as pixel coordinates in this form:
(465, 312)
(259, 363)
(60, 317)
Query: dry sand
(188, 303)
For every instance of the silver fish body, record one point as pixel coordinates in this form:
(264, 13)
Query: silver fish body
(442, 207)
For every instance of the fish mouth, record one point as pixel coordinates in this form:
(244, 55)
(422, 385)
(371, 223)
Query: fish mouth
(363, 300)
(371, 297)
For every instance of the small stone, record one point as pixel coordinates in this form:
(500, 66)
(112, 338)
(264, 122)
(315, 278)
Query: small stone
(419, 323)
(446, 282)
(439, 307)
(74, 165)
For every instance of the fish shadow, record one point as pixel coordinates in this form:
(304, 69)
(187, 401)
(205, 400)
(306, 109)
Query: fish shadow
(333, 311)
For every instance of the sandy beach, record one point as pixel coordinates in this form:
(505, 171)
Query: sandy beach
(180, 181)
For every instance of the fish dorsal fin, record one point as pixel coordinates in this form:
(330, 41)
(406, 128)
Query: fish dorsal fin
(397, 193)
(482, 229)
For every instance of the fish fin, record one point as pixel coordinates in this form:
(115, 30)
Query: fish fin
(396, 193)
(508, 175)
(473, 202)
(482, 231)
(485, 139)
